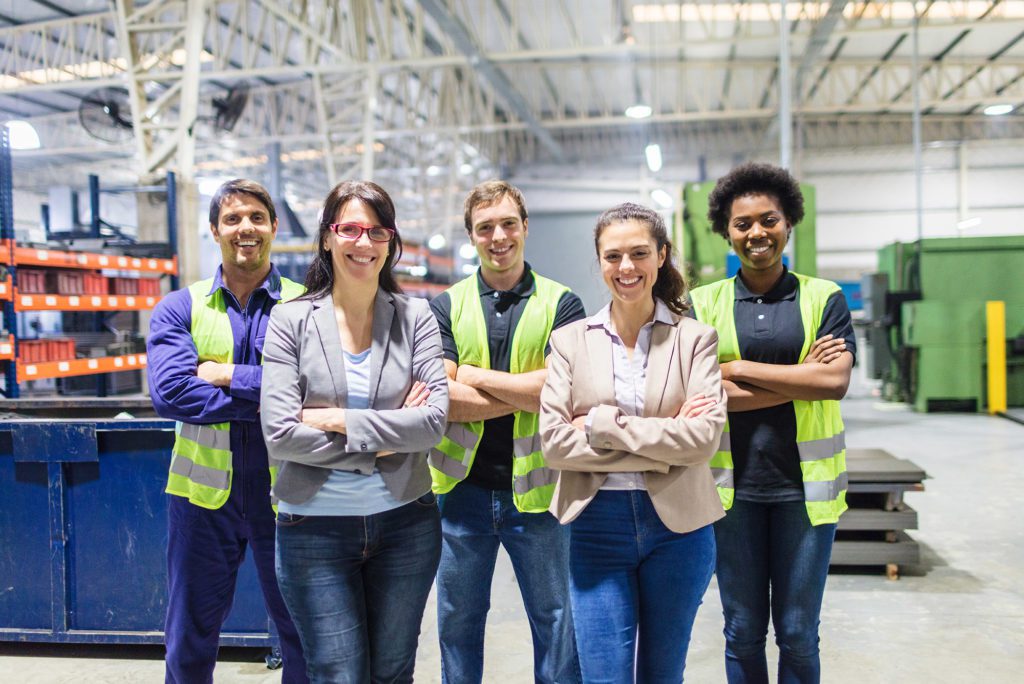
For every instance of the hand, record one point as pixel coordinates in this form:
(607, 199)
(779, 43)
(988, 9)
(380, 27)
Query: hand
(580, 423)
(417, 396)
(695, 406)
(730, 370)
(467, 375)
(826, 349)
(217, 374)
(326, 419)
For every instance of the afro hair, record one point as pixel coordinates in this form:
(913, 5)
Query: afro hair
(754, 179)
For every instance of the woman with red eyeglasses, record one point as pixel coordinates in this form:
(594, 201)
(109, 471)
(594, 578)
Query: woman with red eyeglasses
(354, 396)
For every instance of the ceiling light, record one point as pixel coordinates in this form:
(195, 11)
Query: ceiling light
(466, 169)
(968, 223)
(662, 198)
(998, 109)
(433, 170)
(639, 111)
(437, 241)
(467, 251)
(468, 269)
(23, 135)
(653, 154)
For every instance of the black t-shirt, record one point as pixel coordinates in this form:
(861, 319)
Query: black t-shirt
(769, 329)
(492, 467)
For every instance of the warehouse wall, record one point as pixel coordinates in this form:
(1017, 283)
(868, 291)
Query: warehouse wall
(866, 198)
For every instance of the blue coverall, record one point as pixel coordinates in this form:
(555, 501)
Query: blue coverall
(206, 547)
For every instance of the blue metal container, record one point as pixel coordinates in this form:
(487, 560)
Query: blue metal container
(83, 535)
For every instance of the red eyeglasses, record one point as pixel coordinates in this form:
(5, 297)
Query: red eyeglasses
(352, 231)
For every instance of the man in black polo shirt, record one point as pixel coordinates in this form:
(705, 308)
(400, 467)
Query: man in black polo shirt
(494, 487)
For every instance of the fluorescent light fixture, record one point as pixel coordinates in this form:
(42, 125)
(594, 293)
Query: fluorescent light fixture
(210, 185)
(433, 170)
(998, 109)
(23, 135)
(467, 251)
(417, 271)
(468, 269)
(968, 223)
(662, 198)
(437, 241)
(638, 111)
(466, 169)
(653, 154)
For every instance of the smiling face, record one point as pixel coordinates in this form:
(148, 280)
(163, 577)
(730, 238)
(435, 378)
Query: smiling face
(244, 232)
(499, 235)
(630, 260)
(758, 232)
(356, 262)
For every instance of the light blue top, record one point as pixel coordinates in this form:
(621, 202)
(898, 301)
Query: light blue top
(345, 492)
(630, 378)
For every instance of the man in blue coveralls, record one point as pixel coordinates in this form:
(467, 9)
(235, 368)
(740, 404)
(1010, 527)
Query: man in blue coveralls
(205, 348)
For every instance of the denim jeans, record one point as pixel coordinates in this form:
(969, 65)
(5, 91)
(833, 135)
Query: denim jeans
(356, 588)
(771, 560)
(636, 586)
(474, 522)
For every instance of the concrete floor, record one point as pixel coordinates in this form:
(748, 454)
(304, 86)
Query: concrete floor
(957, 617)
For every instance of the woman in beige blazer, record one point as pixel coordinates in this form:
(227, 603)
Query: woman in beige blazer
(631, 413)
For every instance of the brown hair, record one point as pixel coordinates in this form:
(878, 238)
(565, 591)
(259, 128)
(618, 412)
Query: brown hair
(240, 186)
(320, 276)
(492, 192)
(670, 286)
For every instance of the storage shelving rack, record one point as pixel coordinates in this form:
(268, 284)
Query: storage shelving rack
(13, 257)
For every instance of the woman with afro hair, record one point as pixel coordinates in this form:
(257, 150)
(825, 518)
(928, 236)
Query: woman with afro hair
(786, 349)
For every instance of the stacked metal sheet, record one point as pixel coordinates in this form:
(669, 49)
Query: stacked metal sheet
(874, 529)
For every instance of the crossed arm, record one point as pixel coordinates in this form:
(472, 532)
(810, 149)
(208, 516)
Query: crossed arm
(481, 393)
(824, 374)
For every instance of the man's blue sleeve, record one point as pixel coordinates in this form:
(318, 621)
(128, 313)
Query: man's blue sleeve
(246, 382)
(177, 393)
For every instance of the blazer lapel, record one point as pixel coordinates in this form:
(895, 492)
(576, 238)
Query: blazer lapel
(599, 357)
(659, 364)
(383, 315)
(327, 327)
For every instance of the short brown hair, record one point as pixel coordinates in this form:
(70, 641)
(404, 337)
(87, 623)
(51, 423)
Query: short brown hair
(492, 192)
(241, 186)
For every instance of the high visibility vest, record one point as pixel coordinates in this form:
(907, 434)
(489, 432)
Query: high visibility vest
(820, 436)
(533, 483)
(201, 457)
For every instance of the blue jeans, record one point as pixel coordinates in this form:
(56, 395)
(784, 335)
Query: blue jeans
(771, 560)
(356, 588)
(636, 586)
(474, 521)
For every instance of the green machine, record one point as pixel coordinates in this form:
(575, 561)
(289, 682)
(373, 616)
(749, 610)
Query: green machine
(706, 254)
(926, 313)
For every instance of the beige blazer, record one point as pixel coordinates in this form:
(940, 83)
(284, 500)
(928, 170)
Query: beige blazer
(672, 453)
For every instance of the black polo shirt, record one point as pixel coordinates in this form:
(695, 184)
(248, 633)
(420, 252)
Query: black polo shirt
(769, 329)
(492, 467)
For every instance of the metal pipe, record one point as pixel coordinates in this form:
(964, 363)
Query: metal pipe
(785, 92)
(918, 162)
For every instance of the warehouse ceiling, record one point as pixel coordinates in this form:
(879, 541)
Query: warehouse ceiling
(430, 96)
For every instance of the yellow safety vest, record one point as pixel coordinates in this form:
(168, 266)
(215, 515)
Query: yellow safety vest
(201, 457)
(533, 483)
(820, 435)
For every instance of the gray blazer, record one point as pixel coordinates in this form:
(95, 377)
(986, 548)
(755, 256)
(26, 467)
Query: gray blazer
(304, 367)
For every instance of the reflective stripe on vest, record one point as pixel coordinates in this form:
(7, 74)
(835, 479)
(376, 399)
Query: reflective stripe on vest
(821, 441)
(200, 468)
(533, 483)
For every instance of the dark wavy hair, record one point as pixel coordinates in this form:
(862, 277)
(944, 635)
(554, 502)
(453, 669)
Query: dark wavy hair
(240, 186)
(670, 286)
(320, 276)
(754, 179)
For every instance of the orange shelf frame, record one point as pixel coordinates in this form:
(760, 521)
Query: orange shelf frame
(5, 251)
(7, 348)
(72, 367)
(51, 302)
(31, 256)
